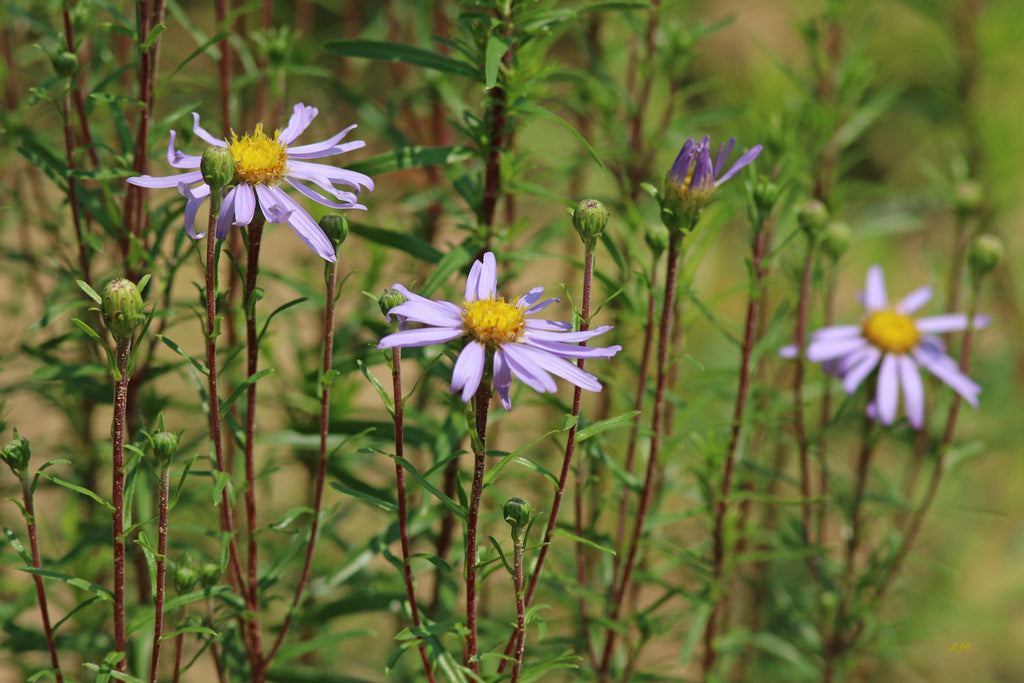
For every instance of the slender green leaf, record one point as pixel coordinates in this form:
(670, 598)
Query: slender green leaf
(415, 156)
(596, 428)
(399, 52)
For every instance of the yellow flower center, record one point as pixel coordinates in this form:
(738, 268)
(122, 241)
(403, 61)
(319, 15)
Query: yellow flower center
(891, 331)
(493, 322)
(258, 158)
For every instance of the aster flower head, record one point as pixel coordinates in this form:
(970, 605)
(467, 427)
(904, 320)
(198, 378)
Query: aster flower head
(264, 166)
(529, 349)
(898, 345)
(693, 178)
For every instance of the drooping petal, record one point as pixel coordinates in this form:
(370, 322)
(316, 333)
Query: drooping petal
(195, 198)
(875, 298)
(502, 379)
(304, 225)
(913, 391)
(165, 182)
(528, 372)
(203, 135)
(306, 170)
(554, 365)
(724, 150)
(180, 159)
(860, 367)
(530, 298)
(423, 336)
(438, 313)
(913, 301)
(947, 371)
(468, 370)
(888, 394)
(227, 211)
(348, 199)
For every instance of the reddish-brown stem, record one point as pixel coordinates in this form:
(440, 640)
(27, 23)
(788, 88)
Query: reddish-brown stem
(33, 542)
(800, 339)
(403, 513)
(638, 405)
(483, 400)
(179, 648)
(117, 499)
(258, 662)
(563, 477)
(760, 250)
(517, 584)
(664, 341)
(221, 13)
(161, 570)
(498, 118)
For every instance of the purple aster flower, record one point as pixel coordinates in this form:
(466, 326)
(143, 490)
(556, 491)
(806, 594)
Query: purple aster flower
(530, 350)
(898, 345)
(263, 165)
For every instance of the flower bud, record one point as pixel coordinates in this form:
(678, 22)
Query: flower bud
(590, 218)
(218, 167)
(16, 454)
(122, 308)
(762, 194)
(812, 217)
(165, 445)
(985, 253)
(517, 513)
(335, 226)
(185, 578)
(388, 300)
(209, 574)
(65, 63)
(657, 238)
(968, 196)
(835, 239)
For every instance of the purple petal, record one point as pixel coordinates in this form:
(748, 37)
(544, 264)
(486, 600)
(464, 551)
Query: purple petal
(548, 325)
(201, 132)
(681, 166)
(741, 163)
(723, 153)
(502, 379)
(304, 225)
(302, 116)
(824, 350)
(195, 198)
(530, 298)
(542, 335)
(482, 282)
(915, 300)
(349, 199)
(430, 313)
(423, 336)
(245, 204)
(468, 370)
(165, 182)
(888, 394)
(874, 290)
(951, 322)
(947, 371)
(573, 350)
(227, 210)
(913, 391)
(325, 173)
(861, 365)
(317, 148)
(555, 365)
(836, 332)
(179, 159)
(789, 351)
(528, 373)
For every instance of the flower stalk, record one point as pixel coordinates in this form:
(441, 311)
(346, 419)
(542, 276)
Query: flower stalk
(481, 407)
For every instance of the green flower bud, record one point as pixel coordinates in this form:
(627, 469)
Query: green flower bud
(517, 513)
(209, 574)
(165, 445)
(762, 195)
(968, 196)
(335, 226)
(16, 454)
(185, 578)
(812, 217)
(590, 217)
(218, 167)
(65, 63)
(835, 239)
(122, 308)
(388, 300)
(984, 255)
(657, 238)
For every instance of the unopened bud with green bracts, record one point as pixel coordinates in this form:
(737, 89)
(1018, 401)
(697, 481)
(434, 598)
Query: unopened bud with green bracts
(165, 445)
(185, 578)
(218, 167)
(984, 255)
(968, 196)
(388, 300)
(335, 226)
(209, 574)
(590, 217)
(122, 308)
(16, 454)
(812, 218)
(835, 239)
(657, 237)
(517, 514)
